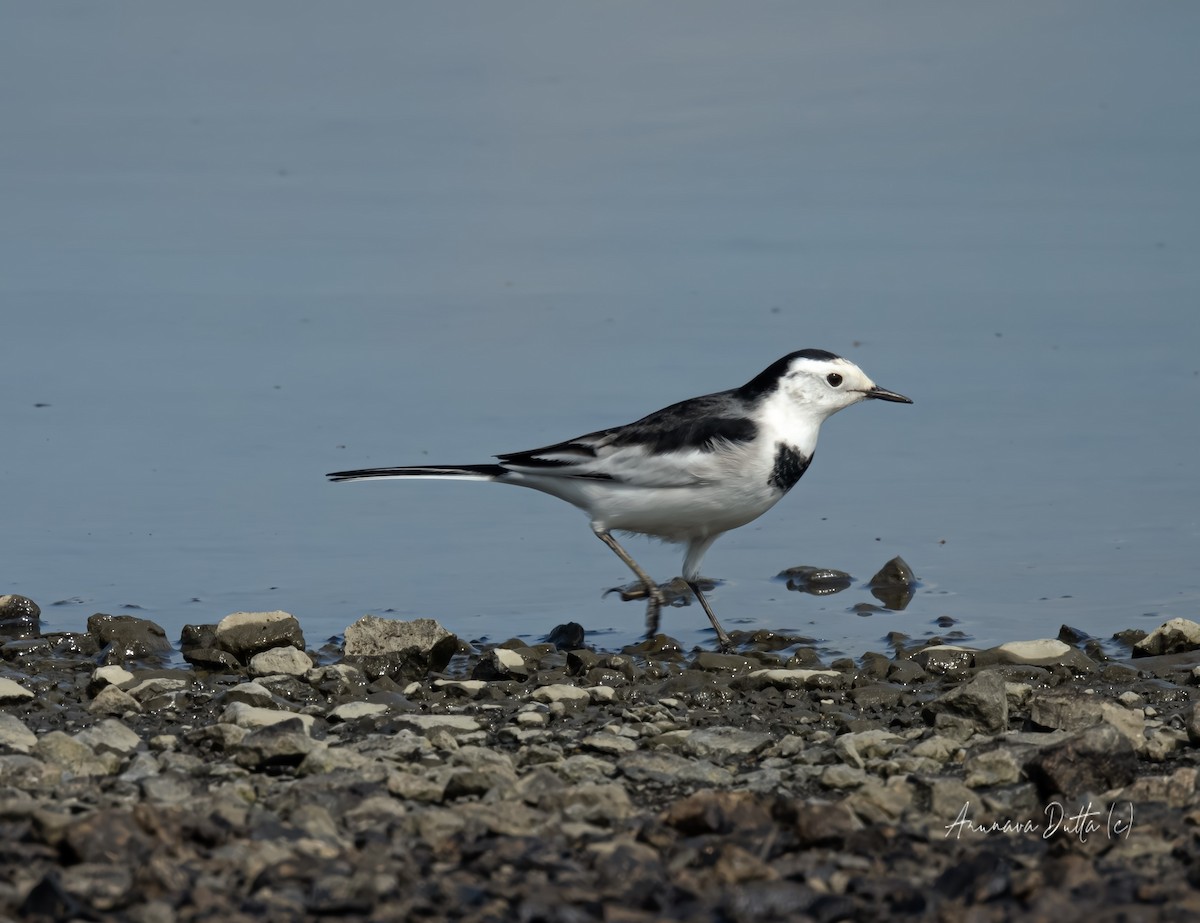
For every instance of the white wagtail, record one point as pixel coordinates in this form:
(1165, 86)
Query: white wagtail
(689, 472)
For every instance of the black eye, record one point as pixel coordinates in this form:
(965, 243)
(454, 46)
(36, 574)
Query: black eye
(834, 379)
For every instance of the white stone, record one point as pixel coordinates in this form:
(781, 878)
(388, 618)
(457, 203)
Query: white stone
(452, 724)
(1172, 632)
(238, 619)
(348, 711)
(12, 693)
(562, 692)
(1041, 649)
(286, 661)
(791, 679)
(114, 674)
(508, 659)
(113, 700)
(251, 717)
(14, 734)
(161, 685)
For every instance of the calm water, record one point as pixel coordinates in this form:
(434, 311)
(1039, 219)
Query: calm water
(241, 246)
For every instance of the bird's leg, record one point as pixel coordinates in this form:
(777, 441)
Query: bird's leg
(654, 595)
(724, 639)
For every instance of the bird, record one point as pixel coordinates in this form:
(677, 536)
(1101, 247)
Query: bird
(687, 473)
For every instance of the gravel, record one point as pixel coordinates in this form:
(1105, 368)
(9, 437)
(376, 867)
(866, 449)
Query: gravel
(418, 777)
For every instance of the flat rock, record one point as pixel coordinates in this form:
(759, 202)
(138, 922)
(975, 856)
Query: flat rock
(561, 692)
(13, 693)
(252, 717)
(351, 711)
(665, 768)
(715, 743)
(791, 679)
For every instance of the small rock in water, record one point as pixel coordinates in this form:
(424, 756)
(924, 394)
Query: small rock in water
(20, 617)
(894, 585)
(816, 581)
(568, 637)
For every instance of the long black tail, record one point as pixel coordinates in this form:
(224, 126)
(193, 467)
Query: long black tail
(462, 472)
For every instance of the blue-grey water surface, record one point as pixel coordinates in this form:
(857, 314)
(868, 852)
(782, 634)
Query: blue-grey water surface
(242, 245)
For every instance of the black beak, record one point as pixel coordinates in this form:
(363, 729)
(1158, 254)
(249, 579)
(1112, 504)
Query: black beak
(880, 394)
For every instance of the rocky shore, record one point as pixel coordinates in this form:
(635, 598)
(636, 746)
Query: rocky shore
(402, 774)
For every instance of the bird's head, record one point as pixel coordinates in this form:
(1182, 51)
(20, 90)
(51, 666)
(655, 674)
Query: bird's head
(819, 382)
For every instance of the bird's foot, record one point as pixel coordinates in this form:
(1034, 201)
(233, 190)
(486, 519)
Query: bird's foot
(654, 605)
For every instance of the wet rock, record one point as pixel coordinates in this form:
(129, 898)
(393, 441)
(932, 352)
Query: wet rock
(108, 675)
(402, 650)
(1095, 760)
(125, 637)
(721, 663)
(1172, 637)
(502, 663)
(817, 581)
(20, 617)
(894, 585)
(287, 661)
(658, 647)
(212, 659)
(945, 660)
(907, 672)
(244, 634)
(568, 637)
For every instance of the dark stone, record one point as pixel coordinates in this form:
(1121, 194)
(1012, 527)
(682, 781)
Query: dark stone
(568, 637)
(248, 637)
(1095, 760)
(128, 637)
(817, 581)
(20, 617)
(894, 585)
(212, 659)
